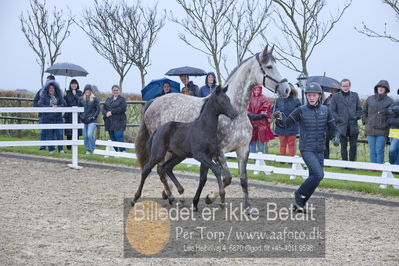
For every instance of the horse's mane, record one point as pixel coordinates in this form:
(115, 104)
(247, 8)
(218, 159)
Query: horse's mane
(266, 58)
(203, 105)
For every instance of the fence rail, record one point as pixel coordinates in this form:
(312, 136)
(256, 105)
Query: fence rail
(296, 169)
(74, 126)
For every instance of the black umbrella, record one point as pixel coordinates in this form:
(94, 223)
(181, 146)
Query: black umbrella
(326, 83)
(186, 70)
(67, 70)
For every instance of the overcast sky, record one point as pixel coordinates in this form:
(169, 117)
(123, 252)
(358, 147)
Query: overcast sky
(344, 54)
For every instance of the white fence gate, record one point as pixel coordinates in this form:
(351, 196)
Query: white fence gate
(74, 126)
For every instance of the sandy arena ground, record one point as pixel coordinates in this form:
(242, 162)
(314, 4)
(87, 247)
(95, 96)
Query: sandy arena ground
(51, 214)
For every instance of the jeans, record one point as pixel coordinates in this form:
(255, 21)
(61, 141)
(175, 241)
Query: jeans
(88, 133)
(42, 132)
(315, 162)
(394, 151)
(54, 134)
(254, 143)
(287, 141)
(117, 135)
(377, 147)
(352, 147)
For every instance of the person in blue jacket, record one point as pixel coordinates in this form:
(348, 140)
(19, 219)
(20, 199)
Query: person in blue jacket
(314, 121)
(52, 97)
(287, 136)
(210, 84)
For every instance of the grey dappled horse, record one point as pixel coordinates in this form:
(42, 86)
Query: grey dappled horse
(196, 139)
(232, 135)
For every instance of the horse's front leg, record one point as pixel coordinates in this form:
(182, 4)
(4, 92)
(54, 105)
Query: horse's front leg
(202, 181)
(222, 163)
(207, 162)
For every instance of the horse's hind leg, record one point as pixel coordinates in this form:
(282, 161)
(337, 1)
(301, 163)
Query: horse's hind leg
(202, 181)
(168, 167)
(144, 174)
(167, 192)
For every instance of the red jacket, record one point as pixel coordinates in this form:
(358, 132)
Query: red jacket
(260, 105)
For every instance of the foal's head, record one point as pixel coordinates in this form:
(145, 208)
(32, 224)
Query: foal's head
(222, 102)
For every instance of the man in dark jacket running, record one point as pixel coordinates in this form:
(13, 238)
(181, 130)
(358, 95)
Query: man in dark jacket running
(346, 109)
(314, 120)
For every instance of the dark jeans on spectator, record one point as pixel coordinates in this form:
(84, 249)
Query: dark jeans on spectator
(42, 133)
(117, 135)
(352, 147)
(315, 162)
(54, 134)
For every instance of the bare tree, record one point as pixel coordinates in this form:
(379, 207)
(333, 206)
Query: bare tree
(45, 33)
(207, 21)
(106, 37)
(394, 4)
(248, 20)
(303, 29)
(141, 25)
(122, 34)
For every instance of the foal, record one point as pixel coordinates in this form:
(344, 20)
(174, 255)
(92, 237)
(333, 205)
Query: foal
(197, 139)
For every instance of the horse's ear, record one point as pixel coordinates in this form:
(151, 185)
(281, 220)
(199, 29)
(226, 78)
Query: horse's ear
(271, 50)
(218, 89)
(225, 89)
(265, 50)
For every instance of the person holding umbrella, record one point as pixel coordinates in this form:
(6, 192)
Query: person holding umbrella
(114, 113)
(192, 88)
(71, 97)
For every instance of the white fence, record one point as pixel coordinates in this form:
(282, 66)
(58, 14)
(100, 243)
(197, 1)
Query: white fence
(74, 126)
(296, 169)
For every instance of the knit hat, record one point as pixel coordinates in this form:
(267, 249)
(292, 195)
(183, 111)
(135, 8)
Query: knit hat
(87, 87)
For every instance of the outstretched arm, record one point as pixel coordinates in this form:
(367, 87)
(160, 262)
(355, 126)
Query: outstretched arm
(293, 118)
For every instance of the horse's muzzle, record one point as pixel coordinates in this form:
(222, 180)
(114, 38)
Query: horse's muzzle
(233, 115)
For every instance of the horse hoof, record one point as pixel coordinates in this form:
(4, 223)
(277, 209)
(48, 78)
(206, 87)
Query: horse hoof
(171, 200)
(208, 200)
(181, 190)
(164, 196)
(221, 205)
(226, 181)
(132, 203)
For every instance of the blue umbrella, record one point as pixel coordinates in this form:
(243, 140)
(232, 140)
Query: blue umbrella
(154, 88)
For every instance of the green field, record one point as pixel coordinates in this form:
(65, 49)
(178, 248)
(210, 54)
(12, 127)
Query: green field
(326, 183)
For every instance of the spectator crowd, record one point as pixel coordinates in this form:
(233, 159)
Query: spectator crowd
(379, 115)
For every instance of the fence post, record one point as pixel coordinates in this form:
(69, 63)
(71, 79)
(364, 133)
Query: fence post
(387, 174)
(260, 162)
(74, 138)
(296, 166)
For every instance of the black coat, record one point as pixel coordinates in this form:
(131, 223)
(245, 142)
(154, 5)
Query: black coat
(393, 115)
(118, 109)
(44, 101)
(287, 106)
(375, 115)
(92, 109)
(71, 100)
(346, 110)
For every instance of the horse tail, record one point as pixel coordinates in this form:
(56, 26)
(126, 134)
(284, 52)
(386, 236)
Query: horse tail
(141, 140)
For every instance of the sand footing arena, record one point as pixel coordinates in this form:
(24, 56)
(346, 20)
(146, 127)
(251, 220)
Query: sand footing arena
(51, 214)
